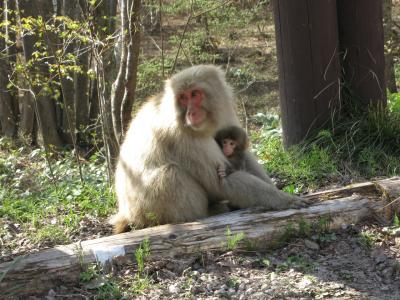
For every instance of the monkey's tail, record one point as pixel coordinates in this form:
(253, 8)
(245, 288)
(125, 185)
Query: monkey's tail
(120, 223)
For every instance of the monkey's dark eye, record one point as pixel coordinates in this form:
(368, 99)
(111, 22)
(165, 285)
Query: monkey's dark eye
(183, 100)
(194, 93)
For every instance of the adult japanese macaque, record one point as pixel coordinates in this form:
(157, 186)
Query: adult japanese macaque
(233, 142)
(167, 169)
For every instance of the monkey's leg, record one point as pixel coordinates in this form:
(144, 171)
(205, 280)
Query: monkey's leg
(253, 167)
(245, 190)
(170, 195)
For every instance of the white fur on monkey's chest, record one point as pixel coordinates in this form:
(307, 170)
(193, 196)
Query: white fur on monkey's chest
(209, 153)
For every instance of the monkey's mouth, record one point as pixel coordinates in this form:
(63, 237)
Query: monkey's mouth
(196, 122)
(197, 127)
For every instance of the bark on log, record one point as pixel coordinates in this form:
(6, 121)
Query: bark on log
(35, 273)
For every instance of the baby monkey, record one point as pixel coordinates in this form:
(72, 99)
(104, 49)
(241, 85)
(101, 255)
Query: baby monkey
(234, 142)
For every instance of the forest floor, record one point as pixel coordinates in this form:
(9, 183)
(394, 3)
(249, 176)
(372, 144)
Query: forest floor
(358, 262)
(346, 265)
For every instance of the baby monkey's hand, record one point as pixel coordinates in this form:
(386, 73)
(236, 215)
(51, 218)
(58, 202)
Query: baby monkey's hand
(221, 171)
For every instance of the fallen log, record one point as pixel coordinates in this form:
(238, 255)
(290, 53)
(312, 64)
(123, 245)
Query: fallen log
(36, 273)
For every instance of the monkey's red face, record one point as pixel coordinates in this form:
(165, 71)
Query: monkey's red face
(228, 147)
(191, 102)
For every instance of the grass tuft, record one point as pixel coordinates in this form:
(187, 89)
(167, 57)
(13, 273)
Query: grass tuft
(360, 143)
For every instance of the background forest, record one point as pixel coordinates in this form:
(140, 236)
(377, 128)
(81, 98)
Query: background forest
(70, 81)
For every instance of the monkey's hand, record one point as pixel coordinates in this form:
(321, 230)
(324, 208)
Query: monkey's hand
(221, 171)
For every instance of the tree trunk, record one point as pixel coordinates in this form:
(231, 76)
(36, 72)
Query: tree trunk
(44, 106)
(119, 84)
(38, 272)
(361, 43)
(75, 90)
(388, 34)
(8, 103)
(308, 63)
(132, 65)
(104, 16)
(28, 123)
(125, 85)
(81, 97)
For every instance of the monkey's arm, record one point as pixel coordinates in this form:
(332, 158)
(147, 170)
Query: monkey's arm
(254, 168)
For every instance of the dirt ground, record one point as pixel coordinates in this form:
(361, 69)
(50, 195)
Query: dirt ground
(357, 262)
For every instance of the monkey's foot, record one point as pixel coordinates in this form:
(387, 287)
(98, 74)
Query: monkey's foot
(298, 202)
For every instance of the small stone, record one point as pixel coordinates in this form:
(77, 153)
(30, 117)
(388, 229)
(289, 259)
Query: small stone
(242, 297)
(221, 291)
(385, 229)
(249, 291)
(195, 273)
(258, 295)
(396, 232)
(231, 291)
(380, 258)
(273, 276)
(51, 295)
(173, 288)
(304, 283)
(268, 291)
(387, 273)
(197, 290)
(63, 289)
(311, 245)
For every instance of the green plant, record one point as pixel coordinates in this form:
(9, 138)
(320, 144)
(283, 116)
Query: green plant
(360, 141)
(141, 281)
(141, 254)
(105, 288)
(293, 189)
(288, 234)
(139, 284)
(326, 238)
(323, 224)
(266, 262)
(187, 283)
(232, 240)
(50, 233)
(367, 239)
(232, 281)
(347, 275)
(394, 102)
(299, 167)
(92, 271)
(396, 221)
(251, 244)
(108, 290)
(295, 262)
(53, 204)
(305, 228)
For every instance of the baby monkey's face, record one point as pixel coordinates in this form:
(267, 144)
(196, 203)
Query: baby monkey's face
(228, 147)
